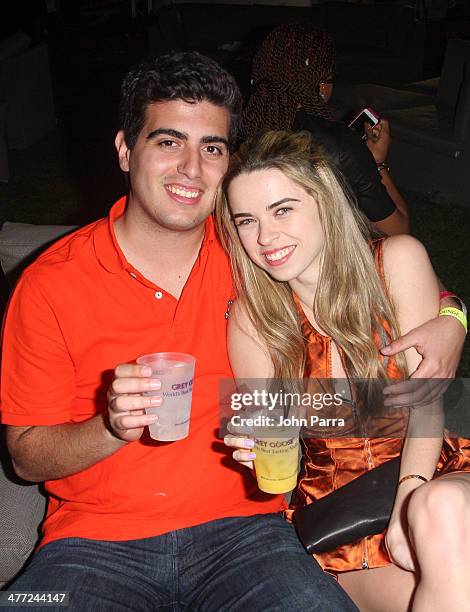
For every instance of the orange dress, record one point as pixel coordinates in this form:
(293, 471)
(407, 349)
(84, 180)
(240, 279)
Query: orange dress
(329, 463)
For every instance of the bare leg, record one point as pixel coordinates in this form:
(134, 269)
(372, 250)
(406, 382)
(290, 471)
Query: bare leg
(384, 589)
(439, 527)
(439, 524)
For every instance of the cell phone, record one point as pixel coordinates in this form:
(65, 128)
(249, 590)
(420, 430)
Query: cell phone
(366, 115)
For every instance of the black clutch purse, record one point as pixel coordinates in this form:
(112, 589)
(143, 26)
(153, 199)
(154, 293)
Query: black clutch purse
(360, 508)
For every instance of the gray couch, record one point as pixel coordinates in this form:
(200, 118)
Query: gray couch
(22, 504)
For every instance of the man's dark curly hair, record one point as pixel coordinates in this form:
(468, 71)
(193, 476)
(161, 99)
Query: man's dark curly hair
(187, 76)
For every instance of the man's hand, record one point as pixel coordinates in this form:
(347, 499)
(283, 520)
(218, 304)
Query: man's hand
(127, 404)
(440, 343)
(378, 139)
(56, 451)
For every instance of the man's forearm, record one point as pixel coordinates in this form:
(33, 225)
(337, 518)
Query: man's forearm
(55, 451)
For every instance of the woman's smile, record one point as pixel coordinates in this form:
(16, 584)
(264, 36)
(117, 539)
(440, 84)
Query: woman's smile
(278, 257)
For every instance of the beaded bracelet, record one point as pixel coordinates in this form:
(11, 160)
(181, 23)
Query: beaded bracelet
(382, 166)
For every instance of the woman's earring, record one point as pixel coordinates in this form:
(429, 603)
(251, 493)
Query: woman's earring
(322, 95)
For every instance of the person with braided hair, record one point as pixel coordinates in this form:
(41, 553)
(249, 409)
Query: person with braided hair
(292, 79)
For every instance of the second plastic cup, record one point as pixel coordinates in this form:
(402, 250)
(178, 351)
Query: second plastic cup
(277, 461)
(277, 449)
(176, 373)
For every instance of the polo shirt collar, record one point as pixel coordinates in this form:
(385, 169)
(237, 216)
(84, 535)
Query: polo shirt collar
(107, 248)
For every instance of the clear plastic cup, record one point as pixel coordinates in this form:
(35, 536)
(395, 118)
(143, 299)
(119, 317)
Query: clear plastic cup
(176, 373)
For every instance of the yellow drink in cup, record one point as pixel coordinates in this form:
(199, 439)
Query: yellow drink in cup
(277, 462)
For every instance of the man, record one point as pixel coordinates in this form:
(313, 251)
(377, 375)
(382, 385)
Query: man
(133, 524)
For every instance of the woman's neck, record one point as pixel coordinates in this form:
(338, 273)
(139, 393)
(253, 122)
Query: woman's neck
(305, 287)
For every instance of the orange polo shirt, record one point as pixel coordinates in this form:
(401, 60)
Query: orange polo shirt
(76, 313)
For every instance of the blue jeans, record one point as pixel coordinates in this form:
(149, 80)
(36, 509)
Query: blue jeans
(228, 565)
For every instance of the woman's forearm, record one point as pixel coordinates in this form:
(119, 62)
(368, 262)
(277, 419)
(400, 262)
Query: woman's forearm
(395, 195)
(421, 448)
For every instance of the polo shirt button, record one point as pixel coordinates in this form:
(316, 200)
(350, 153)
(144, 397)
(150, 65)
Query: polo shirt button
(158, 295)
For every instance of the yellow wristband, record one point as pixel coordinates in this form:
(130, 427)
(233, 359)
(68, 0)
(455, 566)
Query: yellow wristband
(456, 313)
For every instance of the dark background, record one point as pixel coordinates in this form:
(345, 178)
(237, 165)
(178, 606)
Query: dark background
(71, 175)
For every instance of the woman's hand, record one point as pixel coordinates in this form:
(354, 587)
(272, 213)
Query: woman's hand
(398, 546)
(243, 454)
(126, 404)
(397, 540)
(378, 139)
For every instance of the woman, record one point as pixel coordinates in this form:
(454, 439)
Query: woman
(315, 296)
(292, 77)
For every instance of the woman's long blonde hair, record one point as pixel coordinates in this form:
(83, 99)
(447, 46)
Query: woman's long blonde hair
(350, 302)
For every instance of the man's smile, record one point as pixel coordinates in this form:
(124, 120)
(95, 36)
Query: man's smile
(184, 194)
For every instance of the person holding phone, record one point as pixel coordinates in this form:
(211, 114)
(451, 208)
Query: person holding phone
(365, 117)
(293, 77)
